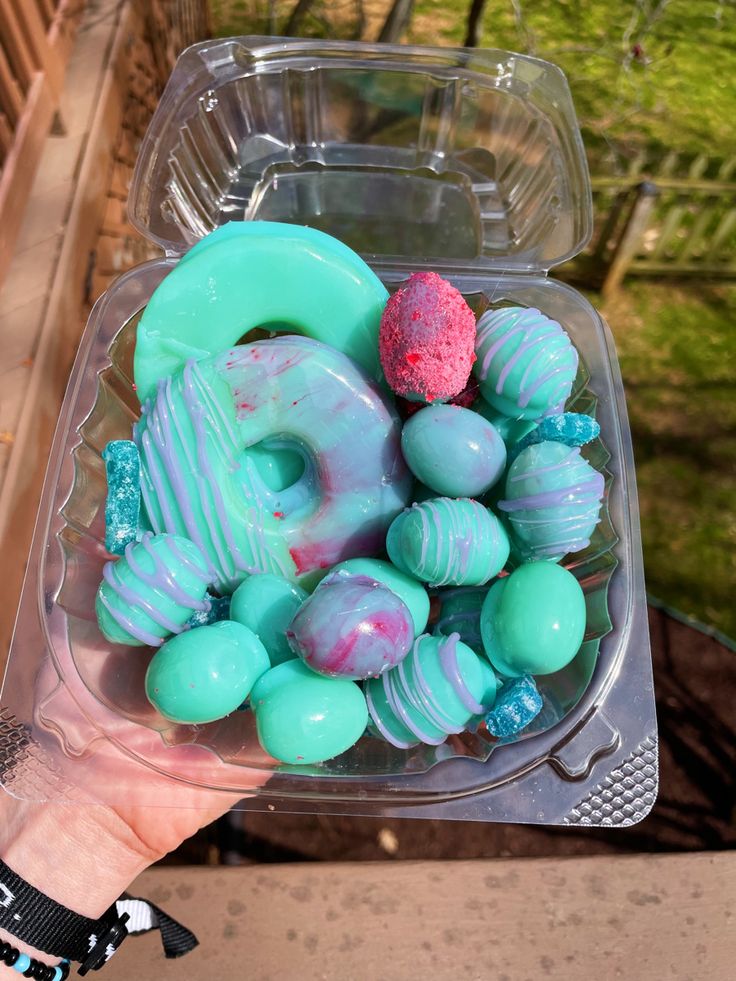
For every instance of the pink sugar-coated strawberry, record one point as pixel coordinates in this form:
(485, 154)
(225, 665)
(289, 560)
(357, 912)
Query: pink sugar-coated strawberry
(427, 339)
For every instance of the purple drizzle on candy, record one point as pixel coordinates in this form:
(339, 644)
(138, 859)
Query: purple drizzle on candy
(153, 640)
(451, 669)
(164, 445)
(589, 492)
(376, 719)
(498, 327)
(160, 580)
(401, 695)
(136, 600)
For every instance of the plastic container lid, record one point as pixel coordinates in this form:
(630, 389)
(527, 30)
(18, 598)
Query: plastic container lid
(450, 158)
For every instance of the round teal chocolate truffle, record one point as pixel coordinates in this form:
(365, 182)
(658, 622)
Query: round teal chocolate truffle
(447, 542)
(267, 604)
(453, 450)
(206, 673)
(303, 717)
(406, 588)
(533, 621)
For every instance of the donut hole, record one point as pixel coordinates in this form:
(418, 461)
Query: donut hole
(280, 464)
(264, 332)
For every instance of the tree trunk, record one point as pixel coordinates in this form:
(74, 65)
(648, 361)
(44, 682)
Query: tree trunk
(396, 22)
(292, 25)
(472, 31)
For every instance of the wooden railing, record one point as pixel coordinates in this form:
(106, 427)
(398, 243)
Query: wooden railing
(668, 215)
(35, 40)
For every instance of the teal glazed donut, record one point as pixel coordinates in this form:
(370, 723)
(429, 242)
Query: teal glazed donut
(525, 362)
(256, 274)
(293, 394)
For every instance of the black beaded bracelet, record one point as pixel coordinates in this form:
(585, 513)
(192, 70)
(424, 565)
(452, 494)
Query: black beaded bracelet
(29, 967)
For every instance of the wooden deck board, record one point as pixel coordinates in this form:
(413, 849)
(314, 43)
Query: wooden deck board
(39, 339)
(643, 918)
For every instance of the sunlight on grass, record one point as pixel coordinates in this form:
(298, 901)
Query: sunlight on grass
(678, 361)
(665, 94)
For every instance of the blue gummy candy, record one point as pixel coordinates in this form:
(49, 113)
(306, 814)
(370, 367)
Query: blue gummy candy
(123, 504)
(219, 610)
(570, 428)
(517, 704)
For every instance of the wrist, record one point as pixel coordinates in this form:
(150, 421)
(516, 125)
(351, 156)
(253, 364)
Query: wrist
(81, 856)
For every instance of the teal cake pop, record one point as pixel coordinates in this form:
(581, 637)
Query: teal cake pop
(205, 674)
(447, 542)
(432, 693)
(533, 621)
(552, 500)
(152, 590)
(526, 363)
(303, 717)
(351, 627)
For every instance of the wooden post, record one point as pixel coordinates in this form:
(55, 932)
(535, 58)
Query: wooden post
(645, 195)
(602, 251)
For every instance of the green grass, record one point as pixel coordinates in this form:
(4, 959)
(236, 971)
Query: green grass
(679, 92)
(678, 360)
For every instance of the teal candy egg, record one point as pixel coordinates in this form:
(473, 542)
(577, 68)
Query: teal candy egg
(533, 621)
(152, 590)
(434, 692)
(267, 604)
(406, 588)
(525, 362)
(205, 673)
(552, 500)
(453, 450)
(303, 717)
(447, 542)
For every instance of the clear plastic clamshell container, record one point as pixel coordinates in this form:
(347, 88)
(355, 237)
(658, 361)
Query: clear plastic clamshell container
(465, 162)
